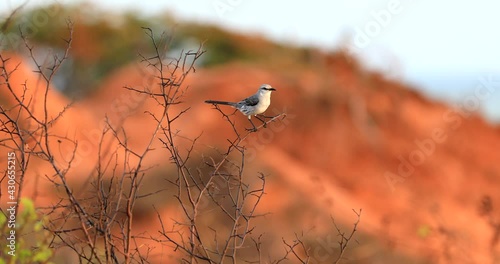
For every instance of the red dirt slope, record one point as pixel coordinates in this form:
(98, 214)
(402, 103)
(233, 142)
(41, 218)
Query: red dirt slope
(420, 170)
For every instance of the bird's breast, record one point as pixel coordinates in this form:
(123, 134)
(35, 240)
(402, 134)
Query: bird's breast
(262, 106)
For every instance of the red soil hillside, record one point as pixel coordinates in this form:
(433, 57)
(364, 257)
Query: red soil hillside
(420, 171)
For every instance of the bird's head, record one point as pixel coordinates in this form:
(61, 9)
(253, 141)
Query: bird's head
(266, 88)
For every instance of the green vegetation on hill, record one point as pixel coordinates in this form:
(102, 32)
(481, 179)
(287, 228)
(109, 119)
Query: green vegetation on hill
(104, 42)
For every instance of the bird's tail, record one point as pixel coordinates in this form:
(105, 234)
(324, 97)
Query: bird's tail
(219, 102)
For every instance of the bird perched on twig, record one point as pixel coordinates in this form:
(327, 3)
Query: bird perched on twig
(253, 105)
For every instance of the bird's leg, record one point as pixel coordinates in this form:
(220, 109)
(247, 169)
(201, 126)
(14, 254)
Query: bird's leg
(263, 121)
(254, 129)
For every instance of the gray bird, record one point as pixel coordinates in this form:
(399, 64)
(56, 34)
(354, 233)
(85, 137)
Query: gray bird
(253, 105)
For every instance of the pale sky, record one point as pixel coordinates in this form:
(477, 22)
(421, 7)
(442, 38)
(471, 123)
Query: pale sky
(443, 47)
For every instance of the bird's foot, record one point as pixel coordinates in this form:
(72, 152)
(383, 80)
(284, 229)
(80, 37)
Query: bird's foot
(253, 129)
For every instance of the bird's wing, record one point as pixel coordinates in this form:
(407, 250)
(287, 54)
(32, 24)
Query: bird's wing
(250, 101)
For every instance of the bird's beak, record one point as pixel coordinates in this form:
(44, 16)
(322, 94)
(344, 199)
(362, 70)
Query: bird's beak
(272, 89)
